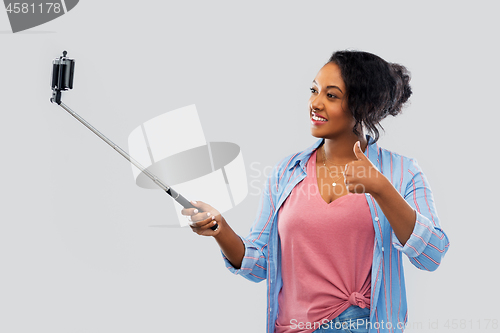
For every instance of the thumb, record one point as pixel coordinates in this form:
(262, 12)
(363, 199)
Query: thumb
(358, 152)
(200, 205)
(204, 207)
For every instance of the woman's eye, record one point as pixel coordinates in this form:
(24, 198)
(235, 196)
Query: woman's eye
(312, 90)
(331, 96)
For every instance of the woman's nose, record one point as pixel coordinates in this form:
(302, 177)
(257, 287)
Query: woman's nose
(316, 102)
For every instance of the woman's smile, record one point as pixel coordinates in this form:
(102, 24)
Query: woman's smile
(316, 119)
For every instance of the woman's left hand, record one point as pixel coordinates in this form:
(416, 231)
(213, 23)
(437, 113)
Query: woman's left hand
(362, 176)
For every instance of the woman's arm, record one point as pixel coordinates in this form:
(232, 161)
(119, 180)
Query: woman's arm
(362, 176)
(230, 243)
(398, 212)
(245, 256)
(416, 230)
(242, 256)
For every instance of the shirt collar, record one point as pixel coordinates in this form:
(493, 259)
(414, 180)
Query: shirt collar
(301, 159)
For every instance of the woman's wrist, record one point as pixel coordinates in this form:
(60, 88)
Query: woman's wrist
(222, 226)
(230, 243)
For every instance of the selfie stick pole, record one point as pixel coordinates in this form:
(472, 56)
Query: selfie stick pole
(62, 79)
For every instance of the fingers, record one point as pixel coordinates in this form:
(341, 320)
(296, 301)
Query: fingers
(349, 169)
(202, 206)
(189, 211)
(200, 211)
(204, 227)
(194, 214)
(355, 188)
(352, 183)
(197, 224)
(202, 218)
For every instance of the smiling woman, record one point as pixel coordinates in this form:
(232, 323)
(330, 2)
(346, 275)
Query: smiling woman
(335, 218)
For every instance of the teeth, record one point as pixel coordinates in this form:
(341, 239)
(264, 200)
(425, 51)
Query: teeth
(318, 118)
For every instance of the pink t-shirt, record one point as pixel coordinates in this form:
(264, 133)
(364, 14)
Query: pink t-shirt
(326, 256)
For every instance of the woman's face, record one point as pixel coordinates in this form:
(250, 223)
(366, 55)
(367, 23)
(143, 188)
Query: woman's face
(327, 103)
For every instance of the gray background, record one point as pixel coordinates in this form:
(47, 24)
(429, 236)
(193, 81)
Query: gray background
(83, 249)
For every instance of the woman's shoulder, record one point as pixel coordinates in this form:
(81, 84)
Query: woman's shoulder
(286, 163)
(299, 157)
(394, 162)
(386, 153)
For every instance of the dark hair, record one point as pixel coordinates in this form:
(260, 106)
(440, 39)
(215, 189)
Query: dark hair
(375, 88)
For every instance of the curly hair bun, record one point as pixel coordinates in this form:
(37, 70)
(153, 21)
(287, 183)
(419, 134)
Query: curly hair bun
(402, 88)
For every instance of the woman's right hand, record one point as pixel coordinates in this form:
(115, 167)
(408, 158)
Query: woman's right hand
(202, 218)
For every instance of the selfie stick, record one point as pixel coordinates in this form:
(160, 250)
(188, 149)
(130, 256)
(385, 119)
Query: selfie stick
(62, 79)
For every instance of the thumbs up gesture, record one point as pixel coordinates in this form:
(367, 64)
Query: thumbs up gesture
(361, 176)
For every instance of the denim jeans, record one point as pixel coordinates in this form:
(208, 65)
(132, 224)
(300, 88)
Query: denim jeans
(353, 320)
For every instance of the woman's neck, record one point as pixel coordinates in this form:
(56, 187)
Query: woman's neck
(341, 149)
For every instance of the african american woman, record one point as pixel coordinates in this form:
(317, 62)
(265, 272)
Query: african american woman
(335, 219)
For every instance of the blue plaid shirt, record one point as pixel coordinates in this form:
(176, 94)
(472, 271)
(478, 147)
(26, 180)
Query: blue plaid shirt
(425, 248)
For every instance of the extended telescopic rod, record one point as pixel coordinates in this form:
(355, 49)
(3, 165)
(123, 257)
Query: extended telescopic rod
(179, 198)
(62, 79)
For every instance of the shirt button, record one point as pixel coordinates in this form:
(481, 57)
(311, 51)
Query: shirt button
(376, 218)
